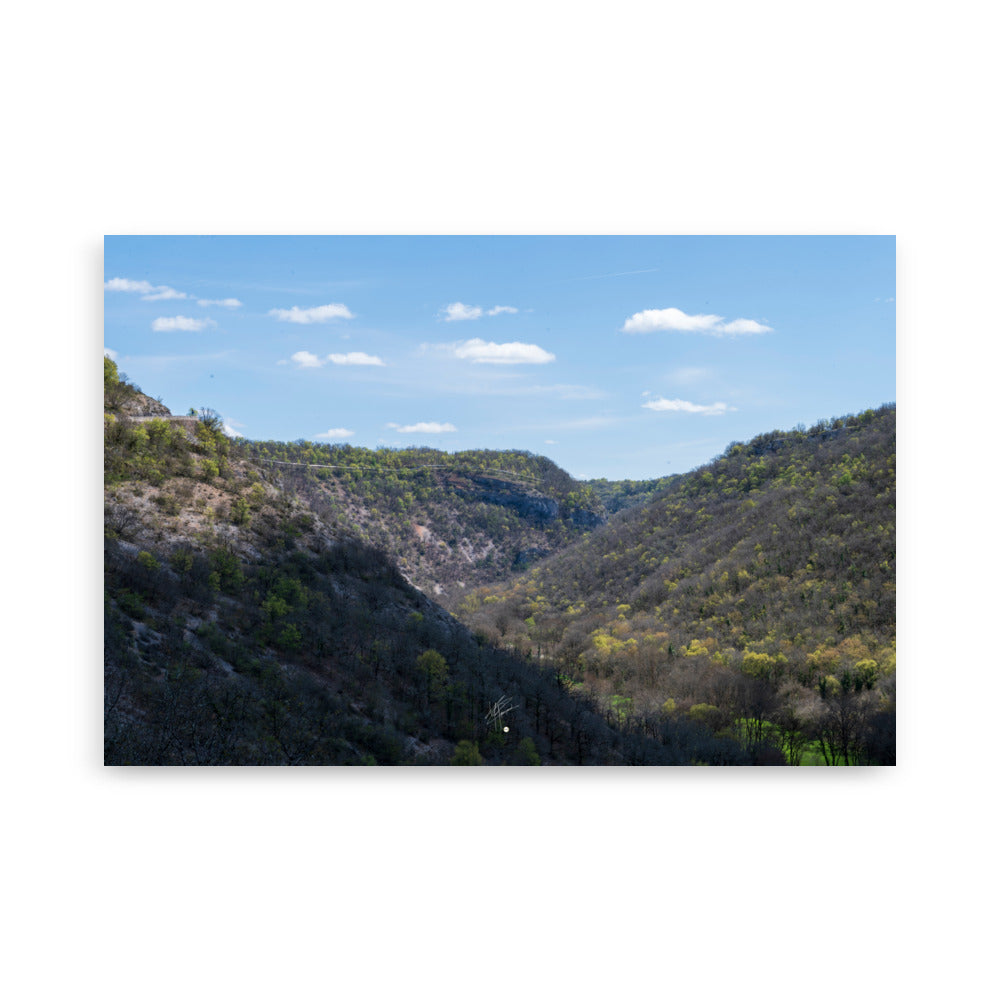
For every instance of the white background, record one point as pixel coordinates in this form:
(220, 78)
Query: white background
(516, 118)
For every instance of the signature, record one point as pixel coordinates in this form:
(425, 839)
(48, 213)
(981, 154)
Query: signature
(498, 710)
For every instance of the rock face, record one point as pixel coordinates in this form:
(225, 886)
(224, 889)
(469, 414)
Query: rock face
(141, 405)
(540, 509)
(536, 508)
(527, 556)
(586, 518)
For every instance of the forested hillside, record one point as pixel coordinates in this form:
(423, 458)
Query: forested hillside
(449, 521)
(244, 627)
(616, 495)
(756, 594)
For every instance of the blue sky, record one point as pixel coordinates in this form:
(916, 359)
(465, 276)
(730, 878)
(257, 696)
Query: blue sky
(622, 357)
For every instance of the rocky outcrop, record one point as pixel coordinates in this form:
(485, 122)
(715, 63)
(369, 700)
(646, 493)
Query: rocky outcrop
(581, 518)
(537, 508)
(140, 405)
(534, 507)
(528, 556)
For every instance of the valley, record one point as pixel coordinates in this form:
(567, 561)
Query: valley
(298, 603)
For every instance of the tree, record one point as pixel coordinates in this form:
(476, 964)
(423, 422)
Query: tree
(210, 418)
(434, 668)
(467, 753)
(526, 754)
(110, 373)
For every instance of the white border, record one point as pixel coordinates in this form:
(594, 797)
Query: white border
(542, 118)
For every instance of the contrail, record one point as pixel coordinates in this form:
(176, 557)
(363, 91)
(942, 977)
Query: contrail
(616, 274)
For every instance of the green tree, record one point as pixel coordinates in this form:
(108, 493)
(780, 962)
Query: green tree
(240, 512)
(434, 668)
(467, 753)
(110, 374)
(148, 561)
(526, 754)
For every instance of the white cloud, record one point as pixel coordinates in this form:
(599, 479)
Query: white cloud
(304, 359)
(229, 428)
(515, 353)
(335, 434)
(150, 293)
(683, 406)
(652, 320)
(164, 292)
(356, 358)
(668, 319)
(425, 427)
(181, 323)
(318, 314)
(127, 285)
(108, 353)
(741, 326)
(457, 311)
(228, 303)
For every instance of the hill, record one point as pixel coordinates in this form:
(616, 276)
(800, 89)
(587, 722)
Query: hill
(756, 593)
(246, 626)
(449, 521)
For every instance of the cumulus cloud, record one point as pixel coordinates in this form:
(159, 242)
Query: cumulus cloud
(228, 303)
(181, 323)
(683, 406)
(488, 353)
(425, 427)
(317, 314)
(164, 292)
(457, 311)
(335, 434)
(304, 359)
(669, 319)
(356, 358)
(741, 326)
(108, 353)
(150, 293)
(127, 285)
(676, 320)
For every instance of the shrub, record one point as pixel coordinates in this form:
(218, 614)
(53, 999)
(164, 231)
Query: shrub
(467, 753)
(526, 754)
(240, 511)
(289, 639)
(148, 561)
(182, 560)
(131, 603)
(258, 495)
(226, 564)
